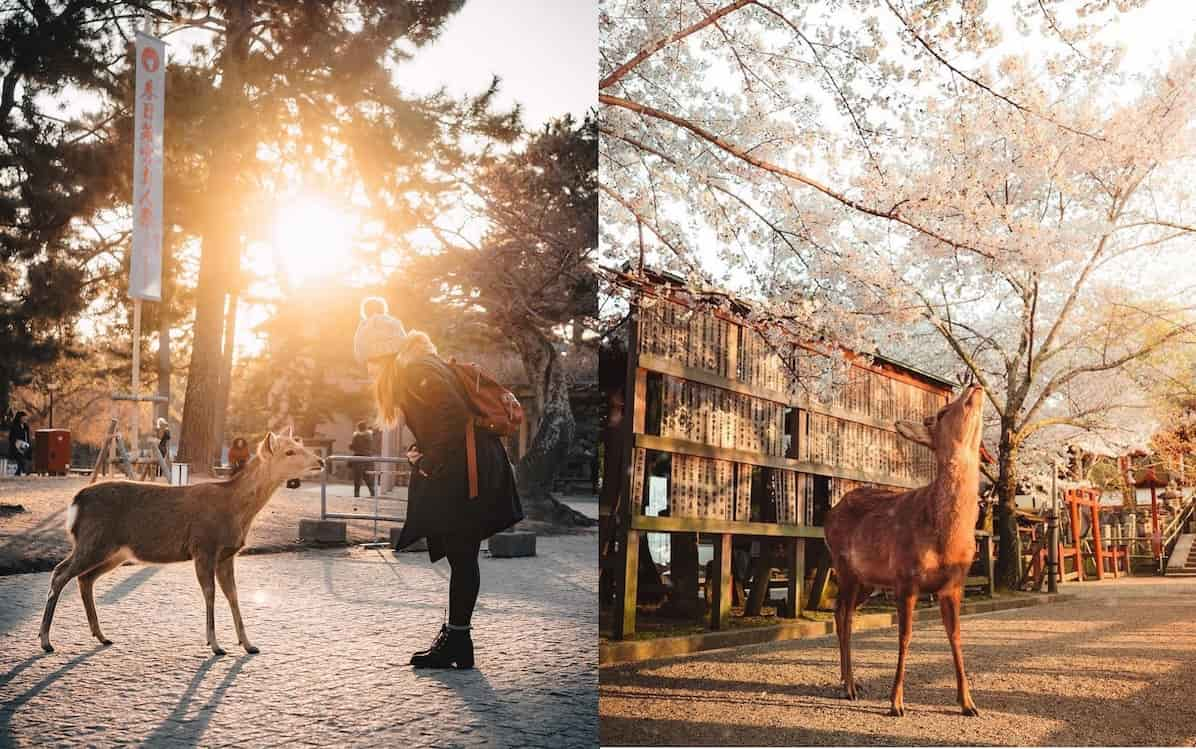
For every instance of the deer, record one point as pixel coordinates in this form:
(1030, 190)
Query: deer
(206, 523)
(913, 542)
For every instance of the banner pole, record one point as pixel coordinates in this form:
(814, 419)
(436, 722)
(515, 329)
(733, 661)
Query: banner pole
(136, 378)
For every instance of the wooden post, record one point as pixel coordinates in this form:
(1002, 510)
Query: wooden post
(629, 567)
(1157, 545)
(796, 560)
(136, 378)
(1076, 528)
(102, 458)
(627, 576)
(720, 607)
(821, 578)
(986, 561)
(1098, 550)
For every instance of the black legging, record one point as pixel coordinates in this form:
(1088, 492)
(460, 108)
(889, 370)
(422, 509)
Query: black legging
(465, 578)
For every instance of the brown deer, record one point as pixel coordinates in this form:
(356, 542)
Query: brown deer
(117, 520)
(919, 541)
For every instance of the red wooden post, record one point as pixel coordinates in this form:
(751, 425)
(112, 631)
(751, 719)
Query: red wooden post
(1098, 550)
(1074, 508)
(1154, 516)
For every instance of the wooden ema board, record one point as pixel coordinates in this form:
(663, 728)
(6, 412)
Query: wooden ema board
(719, 489)
(712, 416)
(723, 386)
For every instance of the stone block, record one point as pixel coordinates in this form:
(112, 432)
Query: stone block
(513, 544)
(323, 531)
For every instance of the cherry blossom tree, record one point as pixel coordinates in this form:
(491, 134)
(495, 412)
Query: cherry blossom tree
(897, 168)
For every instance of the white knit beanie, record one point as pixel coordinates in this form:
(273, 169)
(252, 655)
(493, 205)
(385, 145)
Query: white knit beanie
(377, 335)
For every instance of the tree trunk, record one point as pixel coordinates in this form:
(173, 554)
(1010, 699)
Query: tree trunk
(549, 448)
(226, 367)
(1005, 523)
(220, 261)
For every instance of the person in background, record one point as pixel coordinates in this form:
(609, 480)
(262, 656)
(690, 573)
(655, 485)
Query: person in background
(19, 442)
(409, 377)
(164, 438)
(362, 444)
(238, 455)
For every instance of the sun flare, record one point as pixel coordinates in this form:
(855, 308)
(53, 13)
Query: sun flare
(312, 239)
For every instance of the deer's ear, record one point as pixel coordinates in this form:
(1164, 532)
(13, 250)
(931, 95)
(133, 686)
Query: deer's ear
(915, 433)
(290, 432)
(271, 442)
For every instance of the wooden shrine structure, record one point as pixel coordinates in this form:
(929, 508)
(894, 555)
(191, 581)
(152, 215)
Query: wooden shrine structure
(716, 413)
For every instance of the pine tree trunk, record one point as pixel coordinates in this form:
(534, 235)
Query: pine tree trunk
(226, 367)
(549, 448)
(1005, 524)
(220, 261)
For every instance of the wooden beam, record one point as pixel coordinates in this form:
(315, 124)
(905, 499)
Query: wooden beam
(719, 526)
(688, 447)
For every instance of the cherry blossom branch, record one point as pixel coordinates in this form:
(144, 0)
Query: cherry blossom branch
(653, 47)
(980, 84)
(889, 215)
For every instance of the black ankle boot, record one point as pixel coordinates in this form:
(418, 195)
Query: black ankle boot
(453, 648)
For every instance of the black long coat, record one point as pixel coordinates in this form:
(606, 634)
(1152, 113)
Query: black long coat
(17, 431)
(438, 504)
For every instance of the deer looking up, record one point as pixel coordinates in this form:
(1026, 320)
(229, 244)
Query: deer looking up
(919, 541)
(116, 520)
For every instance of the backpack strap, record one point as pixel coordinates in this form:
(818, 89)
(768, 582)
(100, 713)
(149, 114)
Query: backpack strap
(471, 457)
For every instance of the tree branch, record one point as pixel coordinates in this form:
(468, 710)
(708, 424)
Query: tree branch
(653, 47)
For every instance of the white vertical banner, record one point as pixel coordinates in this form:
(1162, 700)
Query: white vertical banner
(145, 266)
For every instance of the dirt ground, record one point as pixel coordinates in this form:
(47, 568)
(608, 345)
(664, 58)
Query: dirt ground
(34, 540)
(1113, 667)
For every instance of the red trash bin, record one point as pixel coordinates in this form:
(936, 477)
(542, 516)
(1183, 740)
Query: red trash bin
(52, 451)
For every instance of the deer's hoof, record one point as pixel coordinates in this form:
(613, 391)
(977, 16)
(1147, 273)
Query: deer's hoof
(105, 641)
(853, 691)
(47, 647)
(970, 710)
(252, 649)
(897, 711)
(217, 650)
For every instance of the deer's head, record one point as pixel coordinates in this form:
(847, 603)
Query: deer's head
(954, 430)
(285, 457)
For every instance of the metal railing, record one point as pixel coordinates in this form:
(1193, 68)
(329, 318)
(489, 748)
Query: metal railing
(376, 516)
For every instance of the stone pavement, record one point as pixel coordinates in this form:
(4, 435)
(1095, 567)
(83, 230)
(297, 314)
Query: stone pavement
(1115, 666)
(335, 628)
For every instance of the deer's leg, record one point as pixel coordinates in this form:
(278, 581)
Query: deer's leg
(905, 621)
(949, 606)
(845, 604)
(77, 562)
(86, 585)
(228, 584)
(205, 570)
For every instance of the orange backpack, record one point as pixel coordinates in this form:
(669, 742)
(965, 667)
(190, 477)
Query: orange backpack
(495, 408)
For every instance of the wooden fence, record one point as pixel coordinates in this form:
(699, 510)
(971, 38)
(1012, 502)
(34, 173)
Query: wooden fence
(723, 418)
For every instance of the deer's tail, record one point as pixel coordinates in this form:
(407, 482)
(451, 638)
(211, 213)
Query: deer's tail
(72, 517)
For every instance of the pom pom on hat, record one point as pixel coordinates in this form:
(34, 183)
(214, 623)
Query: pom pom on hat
(378, 334)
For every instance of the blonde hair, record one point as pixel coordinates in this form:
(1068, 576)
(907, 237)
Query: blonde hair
(386, 387)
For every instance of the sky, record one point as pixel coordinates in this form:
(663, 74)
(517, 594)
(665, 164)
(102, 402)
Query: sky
(545, 52)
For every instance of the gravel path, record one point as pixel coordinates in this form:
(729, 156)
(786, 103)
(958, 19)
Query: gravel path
(1117, 666)
(335, 628)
